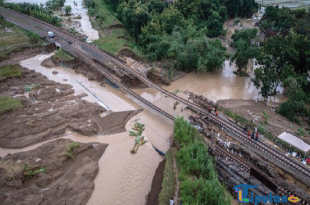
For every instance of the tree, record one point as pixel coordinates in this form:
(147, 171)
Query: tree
(214, 24)
(245, 34)
(134, 15)
(170, 18)
(242, 41)
(266, 116)
(157, 6)
(223, 13)
(68, 10)
(240, 8)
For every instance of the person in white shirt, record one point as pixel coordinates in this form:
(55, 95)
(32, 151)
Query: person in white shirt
(171, 201)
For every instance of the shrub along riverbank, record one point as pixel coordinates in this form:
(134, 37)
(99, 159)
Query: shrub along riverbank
(199, 183)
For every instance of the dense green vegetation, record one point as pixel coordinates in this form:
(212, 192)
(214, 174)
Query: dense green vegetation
(240, 8)
(9, 71)
(35, 10)
(198, 179)
(178, 31)
(8, 103)
(285, 59)
(168, 184)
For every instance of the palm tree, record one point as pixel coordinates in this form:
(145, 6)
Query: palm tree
(266, 116)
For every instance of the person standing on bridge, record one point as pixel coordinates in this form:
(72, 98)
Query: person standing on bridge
(245, 128)
(249, 134)
(252, 135)
(256, 139)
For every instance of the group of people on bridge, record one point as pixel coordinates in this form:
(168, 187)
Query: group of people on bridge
(215, 110)
(252, 135)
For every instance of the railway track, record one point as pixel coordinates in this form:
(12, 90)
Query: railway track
(229, 126)
(245, 167)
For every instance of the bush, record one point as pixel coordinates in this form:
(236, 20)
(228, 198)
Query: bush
(34, 37)
(69, 149)
(291, 108)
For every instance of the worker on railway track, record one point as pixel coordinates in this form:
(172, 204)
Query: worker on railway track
(257, 134)
(209, 109)
(249, 134)
(217, 113)
(245, 128)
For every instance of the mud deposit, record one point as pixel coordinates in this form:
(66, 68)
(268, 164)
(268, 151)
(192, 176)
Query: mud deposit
(49, 110)
(152, 197)
(64, 181)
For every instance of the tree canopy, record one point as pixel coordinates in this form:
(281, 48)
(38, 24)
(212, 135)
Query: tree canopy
(284, 58)
(177, 31)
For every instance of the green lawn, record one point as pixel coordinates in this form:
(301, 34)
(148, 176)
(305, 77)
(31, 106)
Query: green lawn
(63, 55)
(108, 41)
(8, 71)
(17, 39)
(8, 103)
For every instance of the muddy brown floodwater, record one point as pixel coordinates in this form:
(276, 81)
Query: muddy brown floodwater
(123, 178)
(217, 85)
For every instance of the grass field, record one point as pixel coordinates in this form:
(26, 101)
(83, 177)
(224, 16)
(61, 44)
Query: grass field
(291, 4)
(8, 71)
(14, 38)
(108, 41)
(8, 103)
